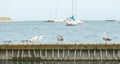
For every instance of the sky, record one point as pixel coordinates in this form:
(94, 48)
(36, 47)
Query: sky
(60, 9)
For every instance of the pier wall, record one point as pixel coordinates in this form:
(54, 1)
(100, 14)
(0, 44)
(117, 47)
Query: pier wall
(60, 52)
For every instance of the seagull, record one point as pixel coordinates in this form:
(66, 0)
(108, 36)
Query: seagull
(36, 38)
(105, 37)
(59, 38)
(35, 27)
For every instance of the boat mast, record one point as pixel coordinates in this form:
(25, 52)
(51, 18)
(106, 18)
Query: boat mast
(56, 8)
(72, 8)
(76, 6)
(73, 11)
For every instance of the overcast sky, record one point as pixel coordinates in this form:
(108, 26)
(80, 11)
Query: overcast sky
(60, 9)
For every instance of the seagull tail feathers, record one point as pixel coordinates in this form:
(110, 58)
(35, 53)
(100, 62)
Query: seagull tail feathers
(109, 39)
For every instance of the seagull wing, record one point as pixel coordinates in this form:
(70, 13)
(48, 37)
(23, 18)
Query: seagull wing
(40, 37)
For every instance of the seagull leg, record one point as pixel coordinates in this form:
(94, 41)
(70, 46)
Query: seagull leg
(105, 42)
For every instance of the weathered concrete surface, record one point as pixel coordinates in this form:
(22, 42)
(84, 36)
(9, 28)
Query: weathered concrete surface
(62, 46)
(60, 52)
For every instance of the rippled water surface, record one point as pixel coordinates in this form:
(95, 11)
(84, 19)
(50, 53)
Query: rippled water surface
(90, 31)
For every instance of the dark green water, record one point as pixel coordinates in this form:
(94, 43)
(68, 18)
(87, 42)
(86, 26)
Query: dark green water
(59, 62)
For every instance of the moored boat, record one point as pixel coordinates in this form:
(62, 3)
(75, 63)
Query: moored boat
(50, 20)
(70, 22)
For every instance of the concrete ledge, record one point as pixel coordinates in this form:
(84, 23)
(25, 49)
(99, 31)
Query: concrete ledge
(38, 59)
(61, 46)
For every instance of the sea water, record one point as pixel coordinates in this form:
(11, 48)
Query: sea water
(89, 31)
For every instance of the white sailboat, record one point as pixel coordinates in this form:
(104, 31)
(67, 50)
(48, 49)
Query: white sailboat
(71, 21)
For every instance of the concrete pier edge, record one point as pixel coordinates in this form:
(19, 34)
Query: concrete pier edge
(109, 47)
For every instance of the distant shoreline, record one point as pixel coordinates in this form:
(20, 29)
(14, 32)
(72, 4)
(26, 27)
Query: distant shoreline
(5, 19)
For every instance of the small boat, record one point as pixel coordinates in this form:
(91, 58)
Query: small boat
(57, 20)
(110, 20)
(50, 20)
(70, 22)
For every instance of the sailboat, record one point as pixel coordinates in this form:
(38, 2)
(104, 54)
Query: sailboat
(71, 21)
(55, 20)
(50, 20)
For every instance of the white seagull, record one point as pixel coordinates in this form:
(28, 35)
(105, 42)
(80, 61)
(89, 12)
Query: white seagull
(36, 38)
(59, 38)
(105, 37)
